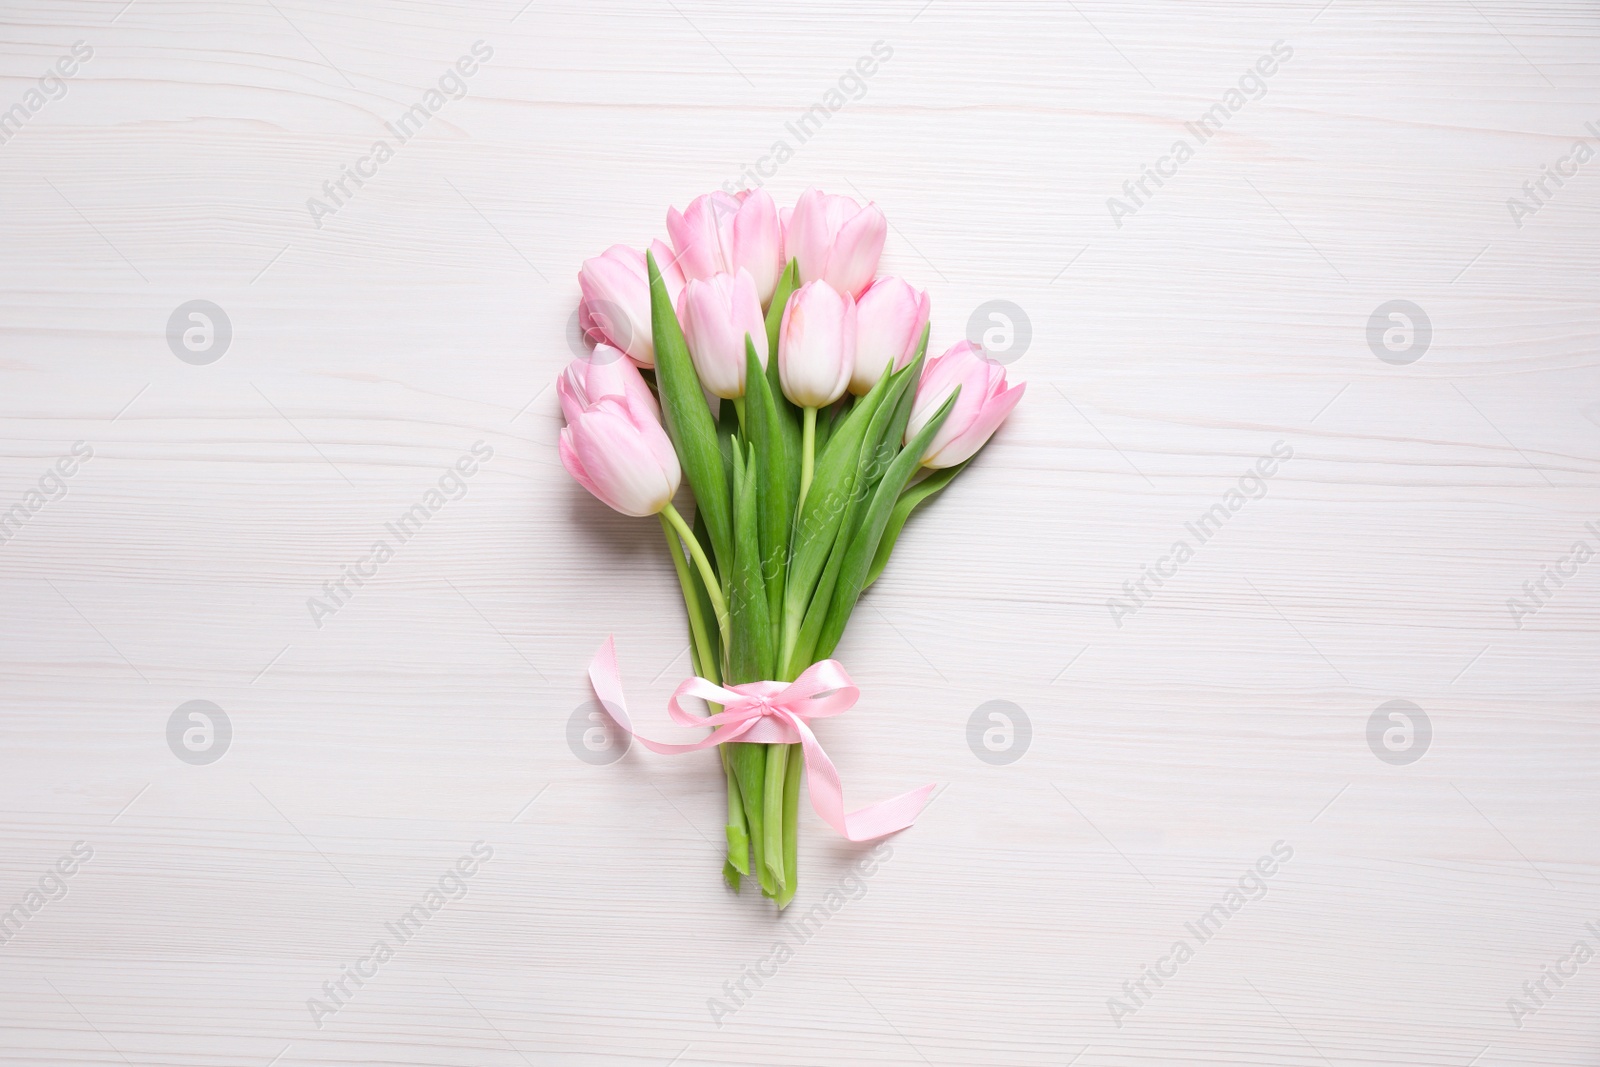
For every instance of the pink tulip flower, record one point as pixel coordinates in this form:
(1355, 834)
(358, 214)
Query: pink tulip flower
(982, 406)
(722, 234)
(606, 373)
(621, 455)
(817, 345)
(836, 240)
(616, 298)
(889, 320)
(716, 314)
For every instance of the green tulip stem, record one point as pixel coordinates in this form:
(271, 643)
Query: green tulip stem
(808, 448)
(669, 515)
(703, 660)
(791, 825)
(705, 665)
(737, 831)
(738, 407)
(772, 814)
(790, 628)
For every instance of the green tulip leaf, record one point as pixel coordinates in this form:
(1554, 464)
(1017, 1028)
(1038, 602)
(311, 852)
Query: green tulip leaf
(864, 545)
(788, 414)
(777, 477)
(750, 645)
(788, 282)
(823, 509)
(688, 421)
(879, 446)
(913, 497)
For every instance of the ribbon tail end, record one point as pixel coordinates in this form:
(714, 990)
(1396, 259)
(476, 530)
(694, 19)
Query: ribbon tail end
(888, 816)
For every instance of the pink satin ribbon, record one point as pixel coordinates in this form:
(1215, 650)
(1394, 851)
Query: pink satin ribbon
(771, 713)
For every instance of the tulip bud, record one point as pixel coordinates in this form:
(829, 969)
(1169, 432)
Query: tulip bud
(836, 240)
(623, 458)
(722, 234)
(716, 314)
(889, 320)
(606, 373)
(816, 345)
(616, 298)
(982, 406)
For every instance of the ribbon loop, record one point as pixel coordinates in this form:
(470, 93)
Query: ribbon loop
(771, 713)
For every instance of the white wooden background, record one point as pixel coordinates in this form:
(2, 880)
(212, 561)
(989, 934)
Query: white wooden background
(432, 311)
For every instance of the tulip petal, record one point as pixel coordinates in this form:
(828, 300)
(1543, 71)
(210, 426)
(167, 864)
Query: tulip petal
(816, 345)
(697, 235)
(966, 444)
(756, 243)
(606, 372)
(857, 247)
(889, 320)
(570, 460)
(624, 470)
(808, 238)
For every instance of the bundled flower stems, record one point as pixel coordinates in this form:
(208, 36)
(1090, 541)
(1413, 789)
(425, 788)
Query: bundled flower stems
(761, 357)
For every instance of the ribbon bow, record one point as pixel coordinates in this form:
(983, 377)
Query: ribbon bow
(771, 713)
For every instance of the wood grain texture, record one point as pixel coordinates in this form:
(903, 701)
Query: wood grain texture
(1171, 747)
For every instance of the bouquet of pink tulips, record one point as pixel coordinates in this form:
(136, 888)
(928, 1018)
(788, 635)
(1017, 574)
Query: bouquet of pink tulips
(762, 357)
